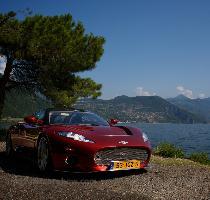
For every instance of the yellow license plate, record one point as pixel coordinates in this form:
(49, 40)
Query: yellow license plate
(124, 165)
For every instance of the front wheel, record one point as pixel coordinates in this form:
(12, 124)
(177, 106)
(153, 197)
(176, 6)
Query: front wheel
(43, 155)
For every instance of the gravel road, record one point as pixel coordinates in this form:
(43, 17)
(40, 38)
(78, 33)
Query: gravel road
(19, 181)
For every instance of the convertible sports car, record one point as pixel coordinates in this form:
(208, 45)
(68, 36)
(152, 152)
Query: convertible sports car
(77, 140)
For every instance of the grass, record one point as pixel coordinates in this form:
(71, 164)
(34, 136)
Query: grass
(179, 162)
(174, 154)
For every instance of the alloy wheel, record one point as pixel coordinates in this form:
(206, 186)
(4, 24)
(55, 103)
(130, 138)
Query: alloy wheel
(43, 154)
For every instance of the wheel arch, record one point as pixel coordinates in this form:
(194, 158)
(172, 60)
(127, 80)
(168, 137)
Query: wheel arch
(41, 134)
(44, 134)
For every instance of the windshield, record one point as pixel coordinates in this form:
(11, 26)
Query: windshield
(76, 118)
(60, 117)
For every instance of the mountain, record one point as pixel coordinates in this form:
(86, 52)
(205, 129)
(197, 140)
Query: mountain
(180, 97)
(141, 109)
(20, 104)
(200, 107)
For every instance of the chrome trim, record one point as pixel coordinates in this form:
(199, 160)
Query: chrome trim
(106, 156)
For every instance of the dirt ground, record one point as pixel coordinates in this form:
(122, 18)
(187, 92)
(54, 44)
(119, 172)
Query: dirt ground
(18, 180)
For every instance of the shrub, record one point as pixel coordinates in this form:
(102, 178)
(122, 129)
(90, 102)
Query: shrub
(200, 157)
(168, 150)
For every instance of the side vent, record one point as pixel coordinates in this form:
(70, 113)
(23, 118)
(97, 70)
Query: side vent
(125, 129)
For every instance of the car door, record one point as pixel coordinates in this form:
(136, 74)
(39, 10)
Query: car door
(23, 137)
(30, 133)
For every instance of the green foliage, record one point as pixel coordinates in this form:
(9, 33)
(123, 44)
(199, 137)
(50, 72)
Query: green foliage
(168, 150)
(46, 53)
(80, 87)
(200, 157)
(61, 48)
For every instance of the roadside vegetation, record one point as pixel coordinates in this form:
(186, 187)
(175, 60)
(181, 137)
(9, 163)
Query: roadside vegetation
(200, 157)
(167, 150)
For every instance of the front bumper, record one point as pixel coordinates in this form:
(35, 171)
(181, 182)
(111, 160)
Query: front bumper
(68, 157)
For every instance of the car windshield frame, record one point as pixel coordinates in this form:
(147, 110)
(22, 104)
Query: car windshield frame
(76, 118)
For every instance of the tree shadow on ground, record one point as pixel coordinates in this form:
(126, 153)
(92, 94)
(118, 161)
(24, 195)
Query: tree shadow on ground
(19, 166)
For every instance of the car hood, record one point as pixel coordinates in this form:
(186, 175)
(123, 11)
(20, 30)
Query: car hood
(95, 130)
(110, 135)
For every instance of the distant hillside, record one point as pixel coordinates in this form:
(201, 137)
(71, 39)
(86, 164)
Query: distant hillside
(141, 109)
(200, 107)
(20, 104)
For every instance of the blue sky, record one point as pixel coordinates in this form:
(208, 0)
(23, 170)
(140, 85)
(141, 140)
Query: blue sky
(153, 47)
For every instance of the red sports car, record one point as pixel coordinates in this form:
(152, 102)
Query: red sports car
(76, 140)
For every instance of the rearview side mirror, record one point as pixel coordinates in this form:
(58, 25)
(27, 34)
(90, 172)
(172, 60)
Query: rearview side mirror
(113, 121)
(33, 120)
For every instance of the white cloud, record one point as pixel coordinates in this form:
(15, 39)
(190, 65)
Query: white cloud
(201, 96)
(180, 88)
(141, 92)
(189, 93)
(186, 92)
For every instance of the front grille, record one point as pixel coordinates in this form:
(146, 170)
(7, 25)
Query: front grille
(104, 157)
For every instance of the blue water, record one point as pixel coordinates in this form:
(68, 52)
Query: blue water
(4, 125)
(190, 137)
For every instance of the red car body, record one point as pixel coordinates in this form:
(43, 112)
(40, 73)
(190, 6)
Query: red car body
(108, 144)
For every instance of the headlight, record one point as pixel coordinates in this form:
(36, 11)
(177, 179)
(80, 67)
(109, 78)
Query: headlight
(74, 136)
(145, 137)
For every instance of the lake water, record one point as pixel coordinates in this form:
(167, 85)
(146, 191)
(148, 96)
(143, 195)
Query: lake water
(4, 125)
(190, 137)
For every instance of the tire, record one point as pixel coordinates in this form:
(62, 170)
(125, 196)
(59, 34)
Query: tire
(43, 155)
(9, 147)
